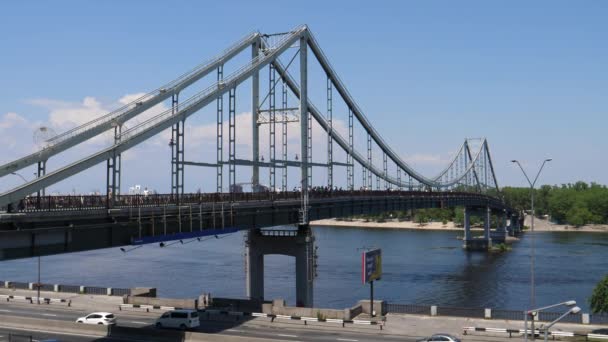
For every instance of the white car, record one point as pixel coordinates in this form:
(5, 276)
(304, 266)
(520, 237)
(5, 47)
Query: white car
(182, 319)
(105, 318)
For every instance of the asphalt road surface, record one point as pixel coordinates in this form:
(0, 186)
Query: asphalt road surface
(223, 326)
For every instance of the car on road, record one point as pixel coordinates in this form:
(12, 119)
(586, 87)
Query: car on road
(105, 318)
(182, 319)
(440, 337)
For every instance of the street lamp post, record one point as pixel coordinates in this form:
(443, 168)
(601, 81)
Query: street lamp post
(38, 284)
(532, 242)
(573, 310)
(531, 312)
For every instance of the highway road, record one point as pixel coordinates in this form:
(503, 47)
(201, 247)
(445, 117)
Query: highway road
(217, 326)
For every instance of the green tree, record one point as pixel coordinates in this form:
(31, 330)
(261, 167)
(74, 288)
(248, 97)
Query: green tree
(599, 298)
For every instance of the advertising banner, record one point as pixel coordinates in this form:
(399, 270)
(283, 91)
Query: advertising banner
(371, 265)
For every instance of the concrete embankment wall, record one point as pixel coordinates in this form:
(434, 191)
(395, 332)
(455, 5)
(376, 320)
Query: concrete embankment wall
(178, 303)
(278, 307)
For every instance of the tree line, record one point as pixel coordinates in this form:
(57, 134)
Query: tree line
(576, 204)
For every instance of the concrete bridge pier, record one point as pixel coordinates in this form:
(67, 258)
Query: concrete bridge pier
(514, 227)
(467, 225)
(297, 243)
(487, 221)
(477, 244)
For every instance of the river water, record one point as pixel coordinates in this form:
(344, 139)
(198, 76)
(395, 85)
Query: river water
(420, 267)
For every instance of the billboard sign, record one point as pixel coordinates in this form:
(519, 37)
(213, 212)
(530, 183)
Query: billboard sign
(371, 265)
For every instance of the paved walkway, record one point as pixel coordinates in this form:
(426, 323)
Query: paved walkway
(416, 325)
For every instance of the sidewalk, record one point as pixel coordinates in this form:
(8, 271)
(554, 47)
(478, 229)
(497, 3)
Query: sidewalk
(415, 325)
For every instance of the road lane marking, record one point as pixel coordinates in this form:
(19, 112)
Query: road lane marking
(4, 310)
(347, 339)
(51, 315)
(136, 322)
(236, 330)
(284, 335)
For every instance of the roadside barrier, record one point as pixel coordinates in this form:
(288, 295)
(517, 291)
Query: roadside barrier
(297, 318)
(146, 307)
(32, 299)
(536, 332)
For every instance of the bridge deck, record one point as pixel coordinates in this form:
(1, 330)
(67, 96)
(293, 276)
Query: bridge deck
(76, 223)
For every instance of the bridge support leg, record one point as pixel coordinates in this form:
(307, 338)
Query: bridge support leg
(487, 220)
(299, 244)
(220, 134)
(255, 266)
(112, 171)
(350, 169)
(41, 172)
(177, 151)
(467, 225)
(503, 223)
(255, 126)
(305, 267)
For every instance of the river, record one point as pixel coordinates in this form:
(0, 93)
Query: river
(420, 267)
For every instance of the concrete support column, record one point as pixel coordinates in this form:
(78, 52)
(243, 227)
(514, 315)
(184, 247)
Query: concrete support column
(487, 220)
(515, 229)
(305, 269)
(255, 266)
(467, 225)
(503, 222)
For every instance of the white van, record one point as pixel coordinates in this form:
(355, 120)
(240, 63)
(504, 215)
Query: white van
(182, 319)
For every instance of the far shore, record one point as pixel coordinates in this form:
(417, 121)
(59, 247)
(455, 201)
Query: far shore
(540, 225)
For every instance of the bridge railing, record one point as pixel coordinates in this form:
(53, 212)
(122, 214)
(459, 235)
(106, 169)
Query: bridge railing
(101, 202)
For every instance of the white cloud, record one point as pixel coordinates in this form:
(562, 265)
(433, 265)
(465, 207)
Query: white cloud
(12, 137)
(11, 119)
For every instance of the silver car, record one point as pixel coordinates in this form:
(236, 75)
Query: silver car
(440, 337)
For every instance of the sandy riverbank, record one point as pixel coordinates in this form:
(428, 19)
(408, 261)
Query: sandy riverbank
(388, 225)
(540, 225)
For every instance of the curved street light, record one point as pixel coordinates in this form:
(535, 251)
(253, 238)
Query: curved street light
(533, 312)
(573, 310)
(532, 243)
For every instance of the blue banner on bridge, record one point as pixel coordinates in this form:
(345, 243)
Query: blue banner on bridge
(182, 236)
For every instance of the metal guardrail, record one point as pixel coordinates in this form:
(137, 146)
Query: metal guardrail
(545, 316)
(47, 287)
(19, 285)
(409, 309)
(598, 319)
(100, 202)
(96, 290)
(511, 315)
(69, 288)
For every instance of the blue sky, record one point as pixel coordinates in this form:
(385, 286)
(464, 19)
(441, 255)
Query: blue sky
(529, 76)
